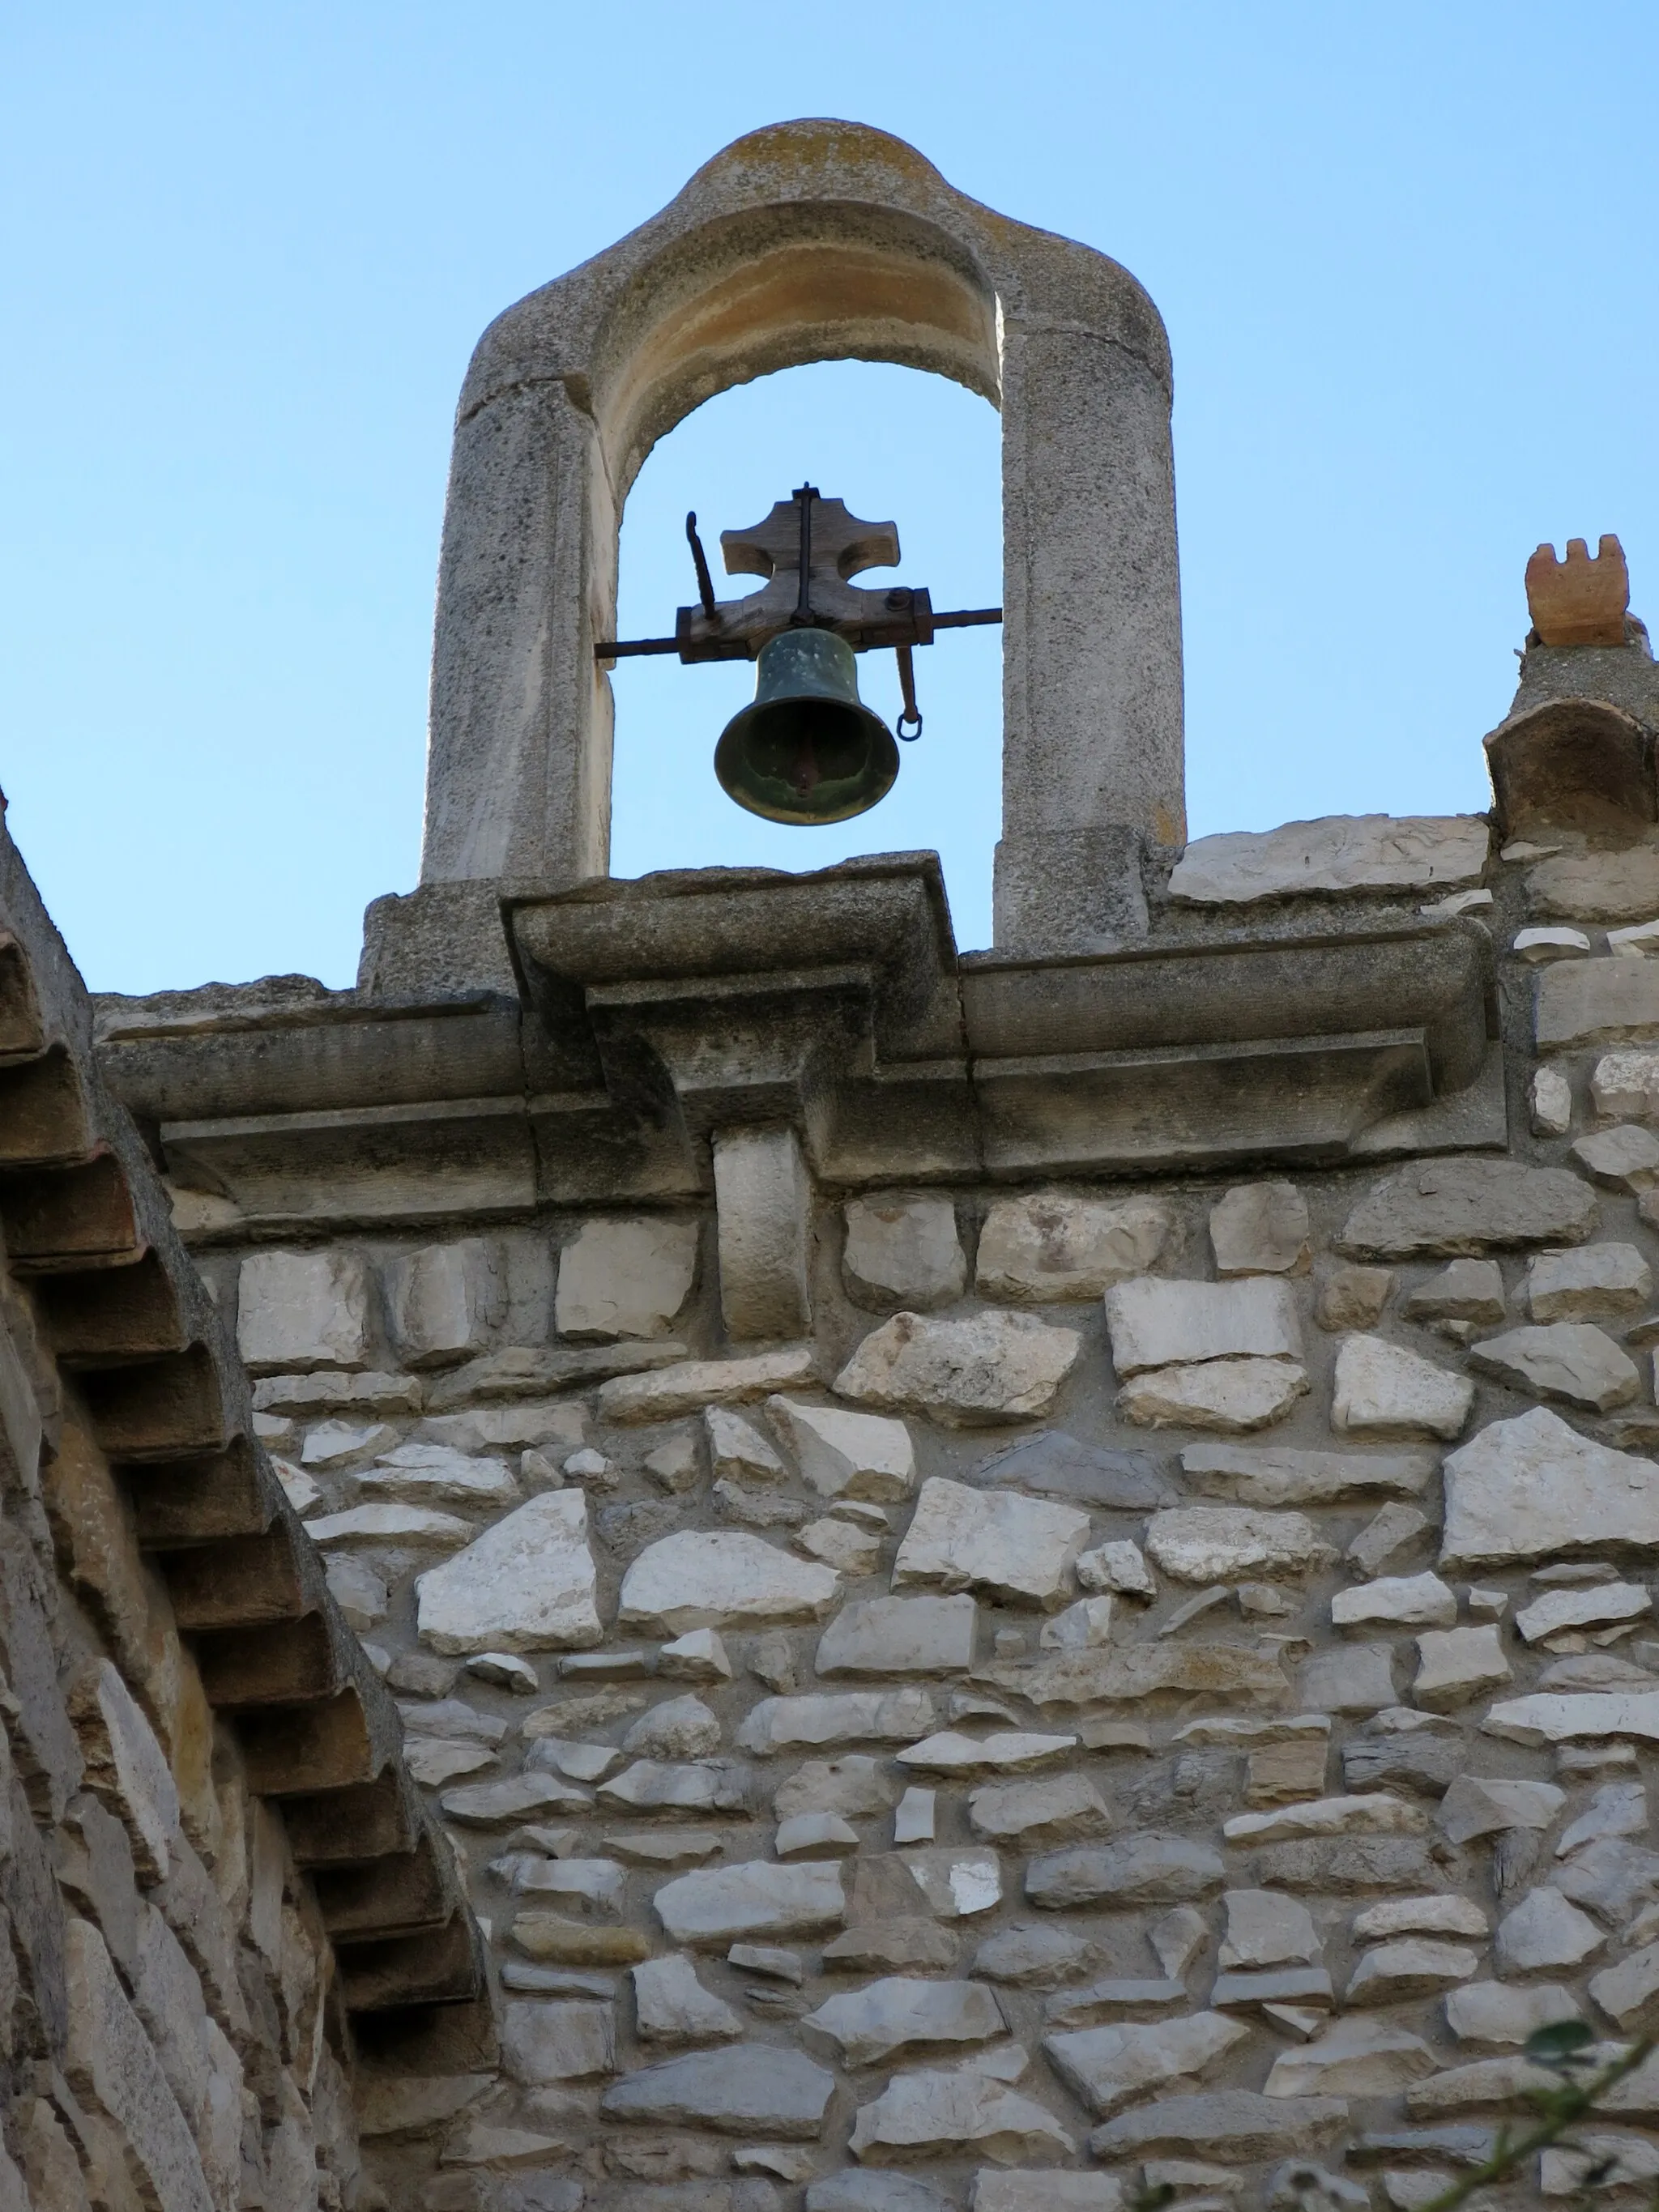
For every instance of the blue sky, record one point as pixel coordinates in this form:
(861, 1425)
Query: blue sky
(1406, 258)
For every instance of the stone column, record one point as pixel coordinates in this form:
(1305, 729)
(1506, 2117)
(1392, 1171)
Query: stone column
(762, 1194)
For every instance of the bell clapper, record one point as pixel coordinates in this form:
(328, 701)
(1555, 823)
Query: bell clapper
(807, 750)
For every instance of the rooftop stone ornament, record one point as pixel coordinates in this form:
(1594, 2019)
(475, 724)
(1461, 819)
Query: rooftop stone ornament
(1579, 601)
(808, 750)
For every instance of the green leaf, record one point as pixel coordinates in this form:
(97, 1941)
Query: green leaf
(1560, 2043)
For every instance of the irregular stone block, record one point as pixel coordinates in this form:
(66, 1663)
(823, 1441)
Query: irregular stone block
(1147, 1868)
(884, 1944)
(1338, 853)
(1492, 2012)
(527, 1584)
(747, 2089)
(1528, 1488)
(1118, 1568)
(516, 1797)
(110, 2064)
(440, 1301)
(853, 1551)
(126, 1767)
(434, 1474)
(1059, 1467)
(1483, 1805)
(708, 1786)
(670, 2005)
(1373, 1814)
(899, 1635)
(1549, 1103)
(989, 1366)
(1618, 1808)
(301, 1310)
(411, 1525)
(1569, 1360)
(1018, 1549)
(1629, 1992)
(870, 2024)
(1046, 2190)
(1383, 1390)
(1588, 1283)
(1273, 1475)
(1624, 1159)
(1033, 1958)
(555, 1937)
(1220, 1543)
(1406, 1601)
(852, 1717)
(1439, 1208)
(544, 2041)
(1560, 1609)
(1230, 1396)
(902, 1252)
(1235, 2125)
(1591, 886)
(1141, 1670)
(1064, 1808)
(1356, 1680)
(721, 1578)
(1051, 1247)
(1625, 1086)
(1585, 1715)
(1464, 1289)
(1353, 2058)
(1543, 1932)
(721, 1904)
(854, 2191)
(1113, 2065)
(666, 1393)
(1389, 1535)
(844, 1454)
(1260, 1229)
(945, 2114)
(1006, 1750)
(557, 1426)
(1265, 1929)
(678, 1728)
(1156, 1322)
(1353, 1298)
(1419, 1916)
(764, 1204)
(624, 1279)
(1413, 1966)
(1581, 1002)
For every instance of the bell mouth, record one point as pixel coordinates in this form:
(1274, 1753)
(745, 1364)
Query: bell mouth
(808, 750)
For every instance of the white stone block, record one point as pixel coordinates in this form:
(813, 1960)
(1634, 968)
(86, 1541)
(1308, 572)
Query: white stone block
(1335, 853)
(1383, 1390)
(763, 1196)
(297, 1310)
(527, 1584)
(441, 1301)
(902, 1252)
(1155, 1322)
(1260, 1229)
(1051, 1246)
(845, 1455)
(624, 1279)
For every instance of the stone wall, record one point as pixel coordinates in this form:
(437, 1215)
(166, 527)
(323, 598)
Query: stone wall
(1151, 1683)
(176, 2027)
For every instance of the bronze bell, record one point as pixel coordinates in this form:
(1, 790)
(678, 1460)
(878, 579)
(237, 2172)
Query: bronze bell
(808, 749)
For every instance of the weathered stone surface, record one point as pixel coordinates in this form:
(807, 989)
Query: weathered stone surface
(1374, 1813)
(721, 1578)
(1049, 2190)
(1464, 1289)
(1629, 1992)
(1618, 1808)
(1569, 1360)
(1033, 1958)
(1119, 1567)
(1559, 1609)
(1584, 1715)
(678, 1728)
(433, 1762)
(441, 1300)
(1356, 1680)
(558, 1426)
(882, 1945)
(1549, 1103)
(548, 2041)
(1113, 2065)
(670, 2005)
(899, 1635)
(1545, 1931)
(1411, 1966)
(1622, 1158)
(668, 1394)
(624, 1279)
(1596, 886)
(1390, 1536)
(111, 2066)
(1260, 1229)
(817, 1836)
(991, 1367)
(1062, 1808)
(1235, 2125)
(855, 1787)
(303, 1310)
(715, 1785)
(417, 1526)
(527, 1584)
(1447, 1915)
(1089, 1621)
(868, 2025)
(1018, 1549)
(1492, 2012)
(848, 1716)
(737, 1450)
(1155, 1321)
(946, 2114)
(1083, 1475)
(1481, 1805)
(1048, 1247)
(126, 1767)
(1408, 1600)
(1440, 1208)
(1598, 1001)
(849, 1549)
(1265, 1929)
(1384, 1390)
(902, 1252)
(1588, 1283)
(516, 1797)
(1531, 1487)
(845, 1455)
(855, 2190)
(1335, 853)
(1220, 1543)
(1457, 1663)
(1127, 1674)
(1353, 2058)
(745, 2090)
(332, 1445)
(954, 1882)
(1625, 1086)
(1011, 1751)
(1275, 1475)
(1230, 1397)
(1146, 1869)
(721, 1904)
(426, 1474)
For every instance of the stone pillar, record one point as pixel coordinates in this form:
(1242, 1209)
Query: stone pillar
(763, 1194)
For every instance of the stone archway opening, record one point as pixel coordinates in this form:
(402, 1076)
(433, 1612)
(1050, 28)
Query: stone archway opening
(896, 445)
